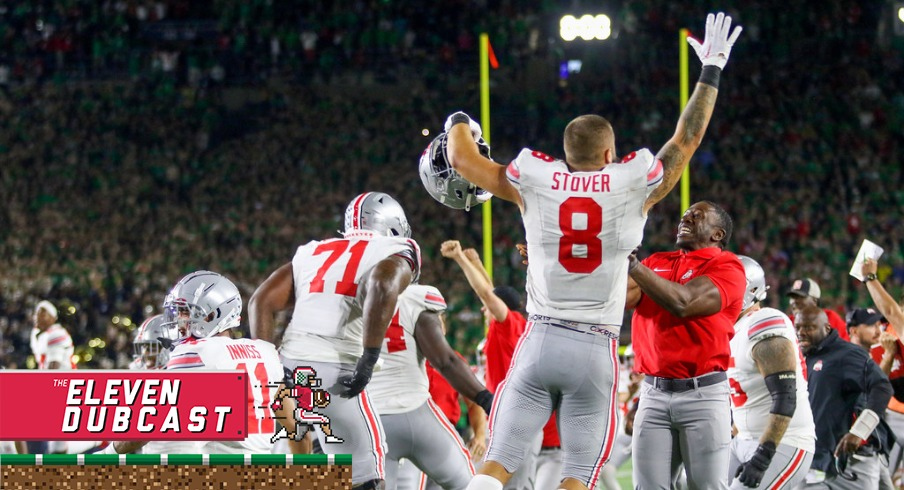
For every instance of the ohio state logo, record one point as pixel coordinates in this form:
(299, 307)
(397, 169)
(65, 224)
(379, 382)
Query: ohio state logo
(818, 365)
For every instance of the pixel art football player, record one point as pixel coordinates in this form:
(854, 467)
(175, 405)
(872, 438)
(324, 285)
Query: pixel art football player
(301, 385)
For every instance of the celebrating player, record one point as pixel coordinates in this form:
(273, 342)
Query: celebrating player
(345, 292)
(400, 392)
(776, 436)
(582, 217)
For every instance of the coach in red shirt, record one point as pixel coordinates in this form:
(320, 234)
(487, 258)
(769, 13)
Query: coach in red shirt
(686, 302)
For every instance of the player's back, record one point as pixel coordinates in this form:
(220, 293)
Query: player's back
(327, 322)
(749, 395)
(580, 228)
(401, 384)
(260, 361)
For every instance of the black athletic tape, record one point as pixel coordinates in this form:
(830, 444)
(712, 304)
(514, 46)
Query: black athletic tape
(710, 75)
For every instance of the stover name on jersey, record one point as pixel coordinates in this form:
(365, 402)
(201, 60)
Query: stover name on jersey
(750, 398)
(580, 228)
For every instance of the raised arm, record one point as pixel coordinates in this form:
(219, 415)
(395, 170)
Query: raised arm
(887, 305)
(477, 278)
(466, 159)
(775, 357)
(692, 123)
(428, 331)
(385, 283)
(275, 294)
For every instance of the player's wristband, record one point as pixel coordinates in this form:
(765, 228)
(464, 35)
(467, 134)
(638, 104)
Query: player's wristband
(485, 400)
(866, 422)
(369, 358)
(459, 117)
(764, 454)
(710, 75)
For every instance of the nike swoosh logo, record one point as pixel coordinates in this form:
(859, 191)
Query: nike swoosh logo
(661, 270)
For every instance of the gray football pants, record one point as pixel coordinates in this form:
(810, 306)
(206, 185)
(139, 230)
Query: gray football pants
(787, 470)
(572, 371)
(426, 438)
(691, 427)
(352, 419)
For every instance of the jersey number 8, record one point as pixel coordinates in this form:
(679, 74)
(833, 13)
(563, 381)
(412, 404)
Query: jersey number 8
(585, 233)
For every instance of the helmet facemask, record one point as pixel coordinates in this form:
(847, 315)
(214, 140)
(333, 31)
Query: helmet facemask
(443, 183)
(215, 306)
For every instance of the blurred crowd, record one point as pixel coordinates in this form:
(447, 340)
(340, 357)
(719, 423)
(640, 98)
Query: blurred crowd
(141, 140)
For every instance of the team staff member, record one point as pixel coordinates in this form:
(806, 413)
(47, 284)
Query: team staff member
(889, 354)
(687, 302)
(841, 376)
(806, 292)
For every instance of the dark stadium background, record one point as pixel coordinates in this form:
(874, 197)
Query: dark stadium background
(140, 140)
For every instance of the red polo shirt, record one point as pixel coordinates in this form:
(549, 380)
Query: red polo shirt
(502, 338)
(672, 347)
(443, 394)
(897, 368)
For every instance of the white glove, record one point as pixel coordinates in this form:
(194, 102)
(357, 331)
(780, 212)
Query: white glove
(459, 116)
(716, 42)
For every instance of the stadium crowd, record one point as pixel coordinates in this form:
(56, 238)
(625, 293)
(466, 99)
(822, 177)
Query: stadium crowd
(118, 178)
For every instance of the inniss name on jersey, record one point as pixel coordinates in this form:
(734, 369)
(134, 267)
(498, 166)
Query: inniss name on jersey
(563, 181)
(150, 404)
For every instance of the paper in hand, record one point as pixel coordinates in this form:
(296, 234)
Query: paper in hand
(867, 250)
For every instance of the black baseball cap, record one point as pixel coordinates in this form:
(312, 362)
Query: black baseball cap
(863, 316)
(805, 287)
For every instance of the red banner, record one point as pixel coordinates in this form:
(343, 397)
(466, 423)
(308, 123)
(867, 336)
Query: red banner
(123, 405)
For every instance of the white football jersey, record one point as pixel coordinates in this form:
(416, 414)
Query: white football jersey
(53, 344)
(581, 227)
(749, 396)
(256, 357)
(328, 324)
(401, 384)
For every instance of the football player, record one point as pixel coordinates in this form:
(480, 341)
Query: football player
(582, 217)
(344, 292)
(776, 436)
(400, 392)
(149, 350)
(151, 354)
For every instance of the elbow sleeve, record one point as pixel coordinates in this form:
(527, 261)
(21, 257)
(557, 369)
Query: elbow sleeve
(782, 387)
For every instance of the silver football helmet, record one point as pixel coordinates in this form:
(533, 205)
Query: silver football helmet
(147, 343)
(376, 212)
(756, 282)
(446, 185)
(202, 304)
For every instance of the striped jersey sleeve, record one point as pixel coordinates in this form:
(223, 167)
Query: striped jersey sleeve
(771, 325)
(655, 172)
(433, 300)
(185, 356)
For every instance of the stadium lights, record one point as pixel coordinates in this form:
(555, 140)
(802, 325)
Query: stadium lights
(588, 27)
(898, 19)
